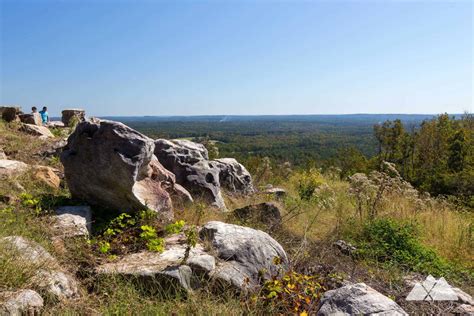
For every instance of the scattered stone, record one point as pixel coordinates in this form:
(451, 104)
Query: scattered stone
(57, 124)
(57, 284)
(49, 276)
(70, 115)
(110, 165)
(53, 148)
(267, 213)
(464, 309)
(357, 299)
(463, 297)
(12, 167)
(278, 192)
(47, 175)
(72, 221)
(32, 118)
(10, 113)
(246, 252)
(23, 302)
(233, 176)
(345, 247)
(41, 131)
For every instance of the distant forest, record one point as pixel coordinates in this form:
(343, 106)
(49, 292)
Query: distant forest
(434, 153)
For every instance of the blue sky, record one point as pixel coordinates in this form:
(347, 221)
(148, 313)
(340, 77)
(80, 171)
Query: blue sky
(238, 57)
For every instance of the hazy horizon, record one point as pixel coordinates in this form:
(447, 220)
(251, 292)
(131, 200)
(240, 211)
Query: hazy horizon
(172, 58)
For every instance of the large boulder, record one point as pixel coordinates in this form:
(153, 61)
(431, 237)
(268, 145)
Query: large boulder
(11, 167)
(203, 178)
(246, 254)
(111, 165)
(228, 256)
(357, 299)
(10, 113)
(41, 131)
(73, 115)
(49, 277)
(32, 118)
(22, 302)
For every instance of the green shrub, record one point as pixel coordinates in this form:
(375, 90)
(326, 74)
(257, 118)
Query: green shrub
(175, 228)
(397, 243)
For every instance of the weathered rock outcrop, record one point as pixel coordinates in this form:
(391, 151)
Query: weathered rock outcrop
(266, 213)
(41, 131)
(10, 113)
(357, 299)
(49, 276)
(70, 115)
(32, 118)
(244, 252)
(237, 258)
(23, 302)
(203, 178)
(111, 165)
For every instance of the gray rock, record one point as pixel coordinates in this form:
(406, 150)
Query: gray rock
(464, 309)
(278, 192)
(23, 302)
(41, 131)
(357, 299)
(10, 113)
(166, 270)
(345, 247)
(267, 213)
(110, 165)
(32, 118)
(188, 161)
(249, 254)
(233, 176)
(56, 124)
(49, 277)
(69, 114)
(72, 221)
(12, 167)
(57, 284)
(463, 297)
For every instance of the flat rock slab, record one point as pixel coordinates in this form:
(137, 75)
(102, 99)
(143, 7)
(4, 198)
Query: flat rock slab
(41, 131)
(23, 302)
(12, 167)
(357, 299)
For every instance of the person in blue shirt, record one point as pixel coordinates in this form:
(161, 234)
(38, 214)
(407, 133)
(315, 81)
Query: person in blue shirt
(44, 115)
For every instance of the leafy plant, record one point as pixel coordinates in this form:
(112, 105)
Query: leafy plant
(175, 227)
(153, 242)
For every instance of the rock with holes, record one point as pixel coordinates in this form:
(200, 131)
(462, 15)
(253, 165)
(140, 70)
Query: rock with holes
(22, 302)
(40, 131)
(73, 115)
(245, 254)
(266, 213)
(203, 178)
(12, 167)
(73, 221)
(233, 176)
(108, 164)
(357, 299)
(49, 276)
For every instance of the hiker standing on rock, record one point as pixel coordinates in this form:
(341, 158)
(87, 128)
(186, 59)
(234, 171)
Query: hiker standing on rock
(34, 110)
(44, 115)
